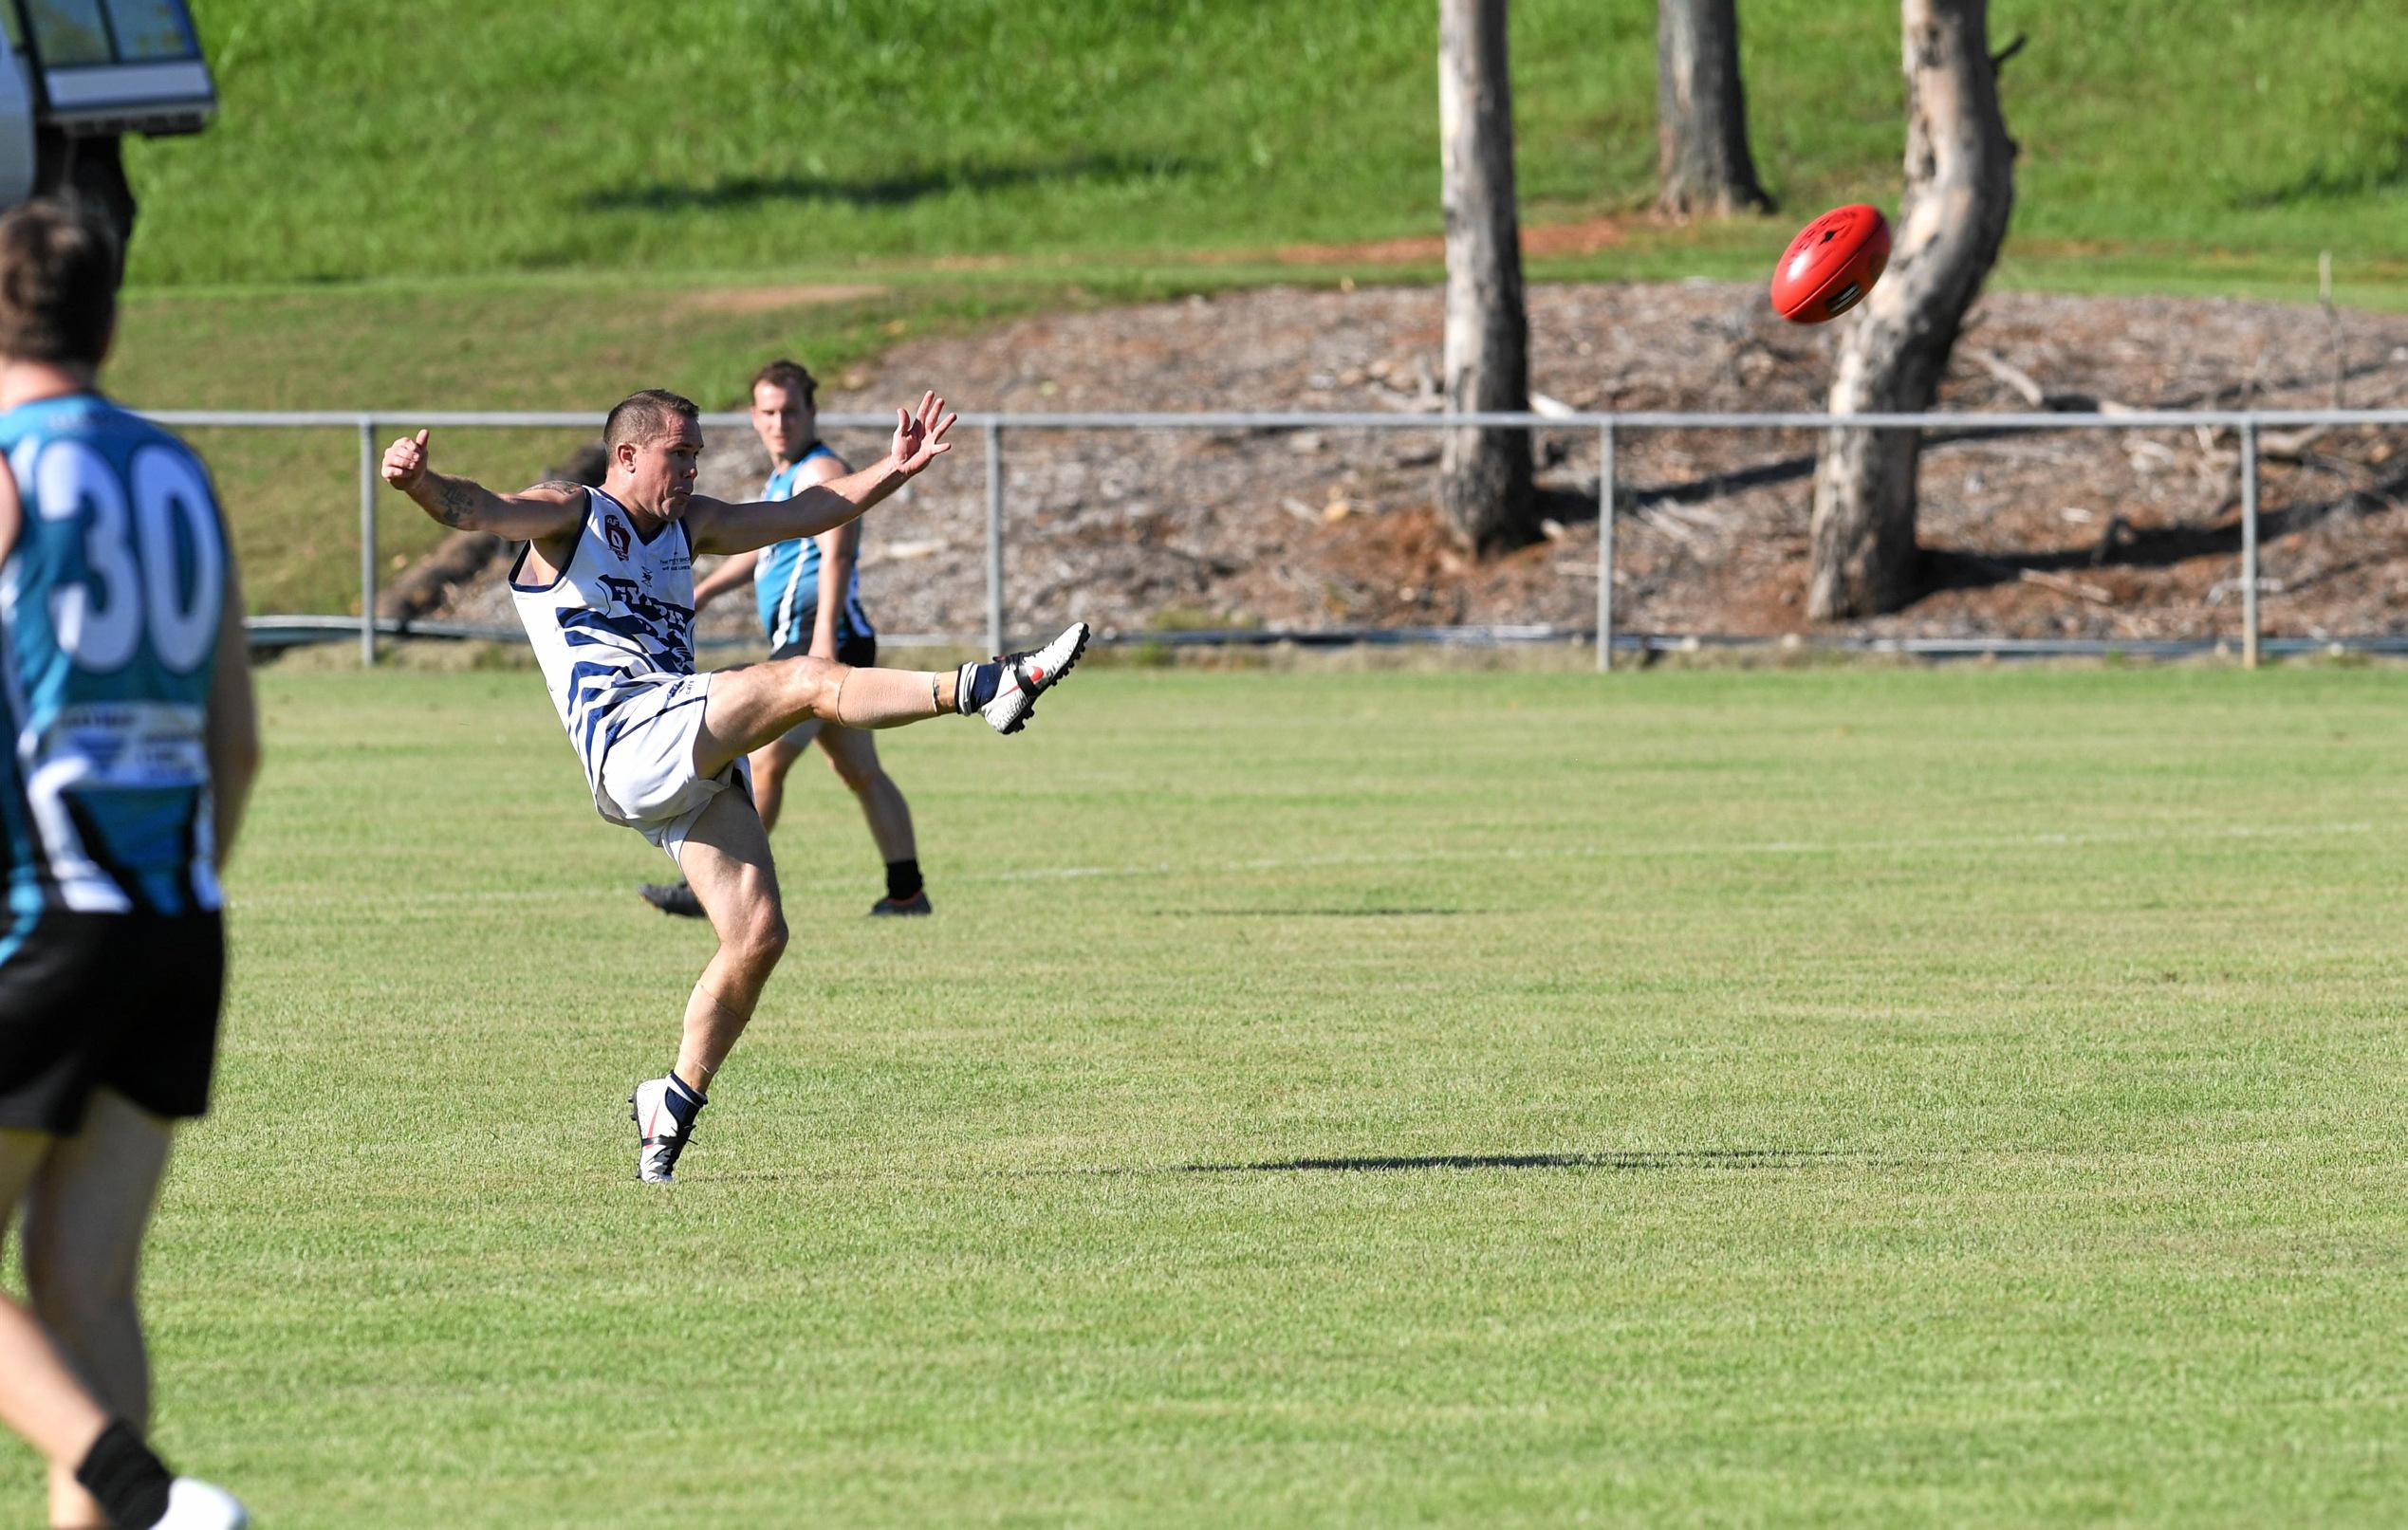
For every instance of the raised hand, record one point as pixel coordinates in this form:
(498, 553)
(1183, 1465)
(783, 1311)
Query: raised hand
(405, 462)
(919, 438)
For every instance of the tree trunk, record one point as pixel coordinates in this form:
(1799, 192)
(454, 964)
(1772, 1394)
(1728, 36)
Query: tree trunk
(1960, 187)
(1484, 475)
(1702, 164)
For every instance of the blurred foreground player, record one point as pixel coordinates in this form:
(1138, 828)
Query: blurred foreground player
(135, 745)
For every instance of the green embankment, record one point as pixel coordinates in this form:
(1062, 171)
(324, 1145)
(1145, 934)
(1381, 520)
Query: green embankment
(466, 206)
(447, 135)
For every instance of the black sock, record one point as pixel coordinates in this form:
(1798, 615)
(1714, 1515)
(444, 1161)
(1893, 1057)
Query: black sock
(902, 880)
(974, 684)
(130, 1482)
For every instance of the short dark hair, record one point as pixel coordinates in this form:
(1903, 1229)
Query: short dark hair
(791, 375)
(644, 417)
(58, 284)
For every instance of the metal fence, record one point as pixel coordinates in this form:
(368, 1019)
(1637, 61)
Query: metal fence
(1610, 427)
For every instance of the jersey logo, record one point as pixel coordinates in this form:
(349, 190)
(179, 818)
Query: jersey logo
(617, 536)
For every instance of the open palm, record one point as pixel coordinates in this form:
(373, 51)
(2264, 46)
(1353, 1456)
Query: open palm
(920, 437)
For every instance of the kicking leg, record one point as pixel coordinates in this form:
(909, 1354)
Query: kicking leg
(726, 858)
(755, 703)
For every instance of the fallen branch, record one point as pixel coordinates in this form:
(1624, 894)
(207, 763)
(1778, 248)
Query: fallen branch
(2015, 376)
(428, 584)
(2028, 387)
(2289, 446)
(1672, 529)
(2059, 583)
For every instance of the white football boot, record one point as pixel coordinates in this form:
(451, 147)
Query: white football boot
(658, 1140)
(1028, 675)
(194, 1504)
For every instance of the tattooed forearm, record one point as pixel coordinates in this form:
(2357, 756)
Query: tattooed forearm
(456, 502)
(464, 504)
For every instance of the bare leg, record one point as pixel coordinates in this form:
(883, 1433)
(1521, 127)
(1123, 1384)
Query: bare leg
(754, 703)
(771, 762)
(854, 754)
(727, 861)
(84, 1219)
(40, 1398)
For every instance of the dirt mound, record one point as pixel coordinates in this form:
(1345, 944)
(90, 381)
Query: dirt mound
(2129, 535)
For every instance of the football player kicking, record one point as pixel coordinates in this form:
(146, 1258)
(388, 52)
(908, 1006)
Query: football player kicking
(604, 586)
(808, 591)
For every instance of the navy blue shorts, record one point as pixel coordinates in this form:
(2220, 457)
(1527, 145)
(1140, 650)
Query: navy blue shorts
(859, 649)
(127, 1002)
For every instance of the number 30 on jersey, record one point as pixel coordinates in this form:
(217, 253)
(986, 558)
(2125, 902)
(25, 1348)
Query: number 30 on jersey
(133, 583)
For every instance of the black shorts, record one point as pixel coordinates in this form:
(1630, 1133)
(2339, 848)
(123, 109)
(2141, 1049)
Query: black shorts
(125, 1002)
(859, 649)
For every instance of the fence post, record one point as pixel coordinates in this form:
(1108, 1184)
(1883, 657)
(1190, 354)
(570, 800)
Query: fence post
(368, 541)
(994, 539)
(1605, 547)
(2249, 543)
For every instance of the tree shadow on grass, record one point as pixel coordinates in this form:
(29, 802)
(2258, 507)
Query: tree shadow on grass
(877, 190)
(1385, 910)
(1638, 1158)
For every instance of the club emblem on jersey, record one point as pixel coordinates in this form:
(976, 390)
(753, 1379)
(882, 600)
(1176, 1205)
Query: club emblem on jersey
(616, 535)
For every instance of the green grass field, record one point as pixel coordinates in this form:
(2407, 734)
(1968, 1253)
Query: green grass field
(1832, 1098)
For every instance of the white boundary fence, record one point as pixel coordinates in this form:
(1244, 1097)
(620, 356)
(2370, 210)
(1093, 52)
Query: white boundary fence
(1609, 426)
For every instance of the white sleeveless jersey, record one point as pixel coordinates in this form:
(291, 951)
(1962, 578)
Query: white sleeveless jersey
(614, 629)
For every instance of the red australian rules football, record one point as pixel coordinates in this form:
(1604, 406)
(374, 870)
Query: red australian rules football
(1832, 263)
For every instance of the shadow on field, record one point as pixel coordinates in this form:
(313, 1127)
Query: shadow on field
(1384, 911)
(1706, 1158)
(877, 191)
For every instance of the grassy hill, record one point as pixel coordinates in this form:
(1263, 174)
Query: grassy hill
(441, 204)
(451, 136)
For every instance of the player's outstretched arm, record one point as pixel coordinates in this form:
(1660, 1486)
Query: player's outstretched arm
(464, 504)
(716, 526)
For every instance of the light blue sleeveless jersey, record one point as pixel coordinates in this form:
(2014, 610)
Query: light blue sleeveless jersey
(785, 582)
(109, 607)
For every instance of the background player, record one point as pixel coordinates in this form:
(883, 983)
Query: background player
(604, 586)
(810, 594)
(136, 742)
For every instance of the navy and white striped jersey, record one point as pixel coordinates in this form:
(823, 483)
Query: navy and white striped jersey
(110, 600)
(785, 582)
(616, 622)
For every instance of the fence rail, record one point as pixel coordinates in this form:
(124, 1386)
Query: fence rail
(1608, 426)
